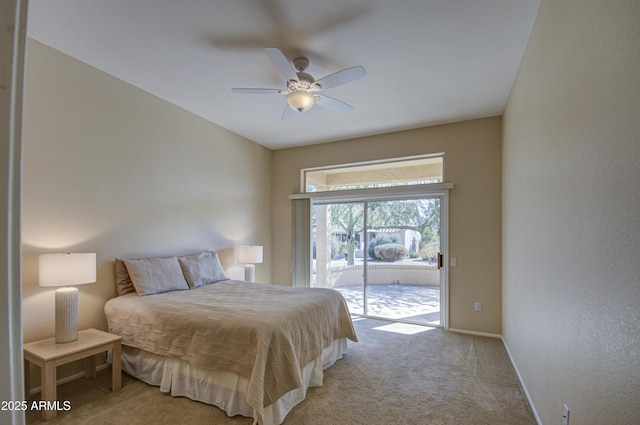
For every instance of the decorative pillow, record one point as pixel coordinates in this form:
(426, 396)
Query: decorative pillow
(156, 275)
(124, 285)
(202, 269)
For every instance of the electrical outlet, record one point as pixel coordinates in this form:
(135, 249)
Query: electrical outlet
(478, 306)
(565, 416)
(454, 262)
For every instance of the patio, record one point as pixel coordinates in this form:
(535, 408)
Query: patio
(402, 302)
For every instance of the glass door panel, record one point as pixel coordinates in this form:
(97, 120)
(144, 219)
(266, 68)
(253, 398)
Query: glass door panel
(402, 273)
(337, 254)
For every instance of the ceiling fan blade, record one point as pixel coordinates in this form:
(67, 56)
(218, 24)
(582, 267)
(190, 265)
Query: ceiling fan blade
(281, 63)
(258, 91)
(333, 104)
(342, 77)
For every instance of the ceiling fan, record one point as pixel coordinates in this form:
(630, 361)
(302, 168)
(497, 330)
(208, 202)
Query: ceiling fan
(302, 91)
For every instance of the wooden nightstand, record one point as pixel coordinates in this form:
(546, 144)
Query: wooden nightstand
(47, 355)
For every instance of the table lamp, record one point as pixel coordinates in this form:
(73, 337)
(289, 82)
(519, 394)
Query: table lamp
(250, 254)
(64, 270)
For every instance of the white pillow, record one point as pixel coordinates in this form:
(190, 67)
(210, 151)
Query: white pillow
(202, 269)
(156, 275)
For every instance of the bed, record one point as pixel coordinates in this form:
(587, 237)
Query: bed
(251, 349)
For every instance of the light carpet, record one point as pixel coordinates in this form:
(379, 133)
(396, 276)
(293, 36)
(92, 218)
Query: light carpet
(396, 374)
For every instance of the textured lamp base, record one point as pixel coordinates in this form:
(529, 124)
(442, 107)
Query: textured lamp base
(66, 315)
(250, 273)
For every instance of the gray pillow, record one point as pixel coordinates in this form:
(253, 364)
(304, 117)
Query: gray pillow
(156, 275)
(202, 269)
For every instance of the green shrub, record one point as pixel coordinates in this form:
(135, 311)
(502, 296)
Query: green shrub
(390, 252)
(429, 251)
(381, 239)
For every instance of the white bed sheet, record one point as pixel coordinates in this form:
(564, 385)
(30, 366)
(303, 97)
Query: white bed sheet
(225, 390)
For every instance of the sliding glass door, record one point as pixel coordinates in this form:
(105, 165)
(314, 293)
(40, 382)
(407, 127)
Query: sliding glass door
(382, 255)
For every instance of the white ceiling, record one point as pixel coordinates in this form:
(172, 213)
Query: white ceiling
(428, 61)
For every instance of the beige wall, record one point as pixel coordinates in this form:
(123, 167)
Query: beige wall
(111, 169)
(472, 163)
(571, 203)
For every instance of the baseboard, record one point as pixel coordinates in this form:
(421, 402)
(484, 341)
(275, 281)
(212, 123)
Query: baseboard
(73, 377)
(461, 331)
(524, 387)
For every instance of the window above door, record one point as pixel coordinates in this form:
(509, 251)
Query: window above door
(406, 171)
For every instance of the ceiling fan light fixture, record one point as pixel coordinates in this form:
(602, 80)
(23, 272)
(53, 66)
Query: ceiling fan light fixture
(301, 100)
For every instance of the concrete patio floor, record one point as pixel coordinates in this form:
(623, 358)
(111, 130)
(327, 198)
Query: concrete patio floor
(402, 302)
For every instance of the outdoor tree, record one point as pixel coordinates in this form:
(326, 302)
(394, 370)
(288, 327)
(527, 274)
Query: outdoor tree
(350, 219)
(421, 215)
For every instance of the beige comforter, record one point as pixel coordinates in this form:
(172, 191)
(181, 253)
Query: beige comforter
(264, 333)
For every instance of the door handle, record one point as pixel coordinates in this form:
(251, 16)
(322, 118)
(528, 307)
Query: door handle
(439, 261)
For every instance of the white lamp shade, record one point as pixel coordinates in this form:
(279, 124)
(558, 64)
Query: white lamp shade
(250, 254)
(67, 269)
(301, 100)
